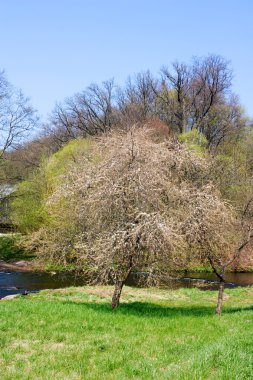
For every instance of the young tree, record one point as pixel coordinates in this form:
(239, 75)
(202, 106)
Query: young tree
(221, 266)
(215, 235)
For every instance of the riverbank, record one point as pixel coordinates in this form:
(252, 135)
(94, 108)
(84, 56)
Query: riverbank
(18, 266)
(155, 334)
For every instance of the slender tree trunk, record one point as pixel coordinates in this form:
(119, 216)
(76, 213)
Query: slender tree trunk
(118, 289)
(220, 298)
(117, 293)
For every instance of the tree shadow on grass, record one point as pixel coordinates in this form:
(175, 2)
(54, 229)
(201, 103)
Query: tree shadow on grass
(150, 310)
(232, 310)
(147, 310)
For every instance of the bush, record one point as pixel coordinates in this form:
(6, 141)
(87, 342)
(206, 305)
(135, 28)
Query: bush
(30, 208)
(194, 140)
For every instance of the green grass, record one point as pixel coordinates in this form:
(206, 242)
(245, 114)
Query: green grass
(10, 250)
(155, 334)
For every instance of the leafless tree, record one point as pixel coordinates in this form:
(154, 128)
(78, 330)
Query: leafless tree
(186, 97)
(17, 117)
(198, 96)
(211, 79)
(90, 112)
(225, 122)
(20, 162)
(173, 98)
(136, 102)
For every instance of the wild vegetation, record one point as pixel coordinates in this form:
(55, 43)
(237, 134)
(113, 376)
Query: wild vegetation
(152, 176)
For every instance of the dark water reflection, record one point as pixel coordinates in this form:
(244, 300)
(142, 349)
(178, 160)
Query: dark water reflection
(18, 282)
(200, 280)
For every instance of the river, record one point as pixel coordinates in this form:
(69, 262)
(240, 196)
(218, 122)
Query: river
(19, 282)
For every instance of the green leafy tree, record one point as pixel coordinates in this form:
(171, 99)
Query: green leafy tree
(29, 207)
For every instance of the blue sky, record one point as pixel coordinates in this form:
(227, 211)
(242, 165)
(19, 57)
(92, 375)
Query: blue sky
(54, 48)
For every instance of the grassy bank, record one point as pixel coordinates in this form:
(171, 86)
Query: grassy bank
(155, 334)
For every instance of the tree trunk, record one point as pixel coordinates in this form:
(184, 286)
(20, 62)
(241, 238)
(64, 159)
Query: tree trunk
(220, 298)
(117, 293)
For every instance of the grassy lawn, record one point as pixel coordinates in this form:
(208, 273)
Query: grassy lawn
(155, 334)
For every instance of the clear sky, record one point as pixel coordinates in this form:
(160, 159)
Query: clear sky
(54, 48)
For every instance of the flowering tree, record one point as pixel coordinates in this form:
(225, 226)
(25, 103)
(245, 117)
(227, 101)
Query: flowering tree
(140, 202)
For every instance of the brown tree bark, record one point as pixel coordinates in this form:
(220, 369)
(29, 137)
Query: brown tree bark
(119, 285)
(117, 293)
(220, 298)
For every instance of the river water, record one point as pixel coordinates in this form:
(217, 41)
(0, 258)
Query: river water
(19, 282)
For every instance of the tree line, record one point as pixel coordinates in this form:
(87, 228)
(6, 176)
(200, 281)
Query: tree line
(185, 97)
(197, 96)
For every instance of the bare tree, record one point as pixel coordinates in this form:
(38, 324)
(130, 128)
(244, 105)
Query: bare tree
(17, 117)
(211, 79)
(61, 127)
(198, 96)
(20, 162)
(188, 96)
(173, 97)
(90, 112)
(136, 102)
(225, 122)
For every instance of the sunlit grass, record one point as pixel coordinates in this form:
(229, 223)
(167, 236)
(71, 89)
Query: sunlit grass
(155, 334)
